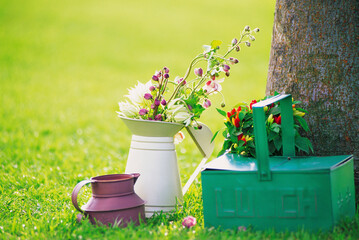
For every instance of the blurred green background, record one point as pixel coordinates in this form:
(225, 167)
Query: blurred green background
(64, 66)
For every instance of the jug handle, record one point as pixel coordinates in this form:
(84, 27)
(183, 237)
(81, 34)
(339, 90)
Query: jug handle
(76, 191)
(135, 176)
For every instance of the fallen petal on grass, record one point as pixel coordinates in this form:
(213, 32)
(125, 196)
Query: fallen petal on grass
(189, 222)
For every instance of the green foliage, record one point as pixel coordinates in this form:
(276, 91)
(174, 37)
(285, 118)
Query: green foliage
(239, 134)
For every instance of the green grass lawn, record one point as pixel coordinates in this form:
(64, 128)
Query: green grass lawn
(64, 65)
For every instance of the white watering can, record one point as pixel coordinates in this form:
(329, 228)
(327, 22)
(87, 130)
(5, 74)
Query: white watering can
(153, 155)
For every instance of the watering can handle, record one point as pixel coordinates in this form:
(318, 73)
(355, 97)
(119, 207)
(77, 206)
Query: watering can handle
(260, 133)
(76, 191)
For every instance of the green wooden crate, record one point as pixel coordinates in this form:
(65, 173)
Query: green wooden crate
(284, 193)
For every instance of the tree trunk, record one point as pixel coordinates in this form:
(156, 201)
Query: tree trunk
(314, 57)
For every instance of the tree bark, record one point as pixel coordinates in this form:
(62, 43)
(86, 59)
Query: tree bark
(314, 57)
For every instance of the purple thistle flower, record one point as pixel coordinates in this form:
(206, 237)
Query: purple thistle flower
(148, 96)
(158, 117)
(226, 68)
(157, 102)
(198, 72)
(166, 70)
(163, 102)
(166, 75)
(155, 78)
(143, 111)
(152, 88)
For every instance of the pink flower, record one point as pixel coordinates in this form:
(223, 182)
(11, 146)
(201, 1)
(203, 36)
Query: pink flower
(226, 68)
(242, 228)
(158, 117)
(154, 78)
(198, 72)
(148, 96)
(207, 103)
(180, 80)
(143, 111)
(163, 102)
(234, 41)
(189, 222)
(152, 88)
(213, 86)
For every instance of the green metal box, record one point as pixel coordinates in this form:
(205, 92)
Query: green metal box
(284, 193)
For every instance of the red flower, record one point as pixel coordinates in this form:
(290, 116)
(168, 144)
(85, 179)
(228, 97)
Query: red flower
(236, 121)
(241, 137)
(231, 113)
(278, 119)
(253, 102)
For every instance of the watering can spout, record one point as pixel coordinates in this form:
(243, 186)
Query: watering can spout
(202, 138)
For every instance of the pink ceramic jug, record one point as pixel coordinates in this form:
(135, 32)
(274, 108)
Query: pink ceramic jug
(113, 200)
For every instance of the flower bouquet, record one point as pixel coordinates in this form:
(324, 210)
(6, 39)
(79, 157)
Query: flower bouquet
(183, 99)
(239, 131)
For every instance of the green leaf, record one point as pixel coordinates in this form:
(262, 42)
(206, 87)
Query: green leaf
(223, 113)
(215, 135)
(247, 124)
(301, 110)
(215, 44)
(221, 152)
(241, 116)
(272, 135)
(310, 145)
(241, 143)
(241, 104)
(252, 152)
(278, 142)
(275, 128)
(224, 134)
(212, 63)
(302, 122)
(271, 148)
(274, 111)
(302, 144)
(234, 138)
(250, 144)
